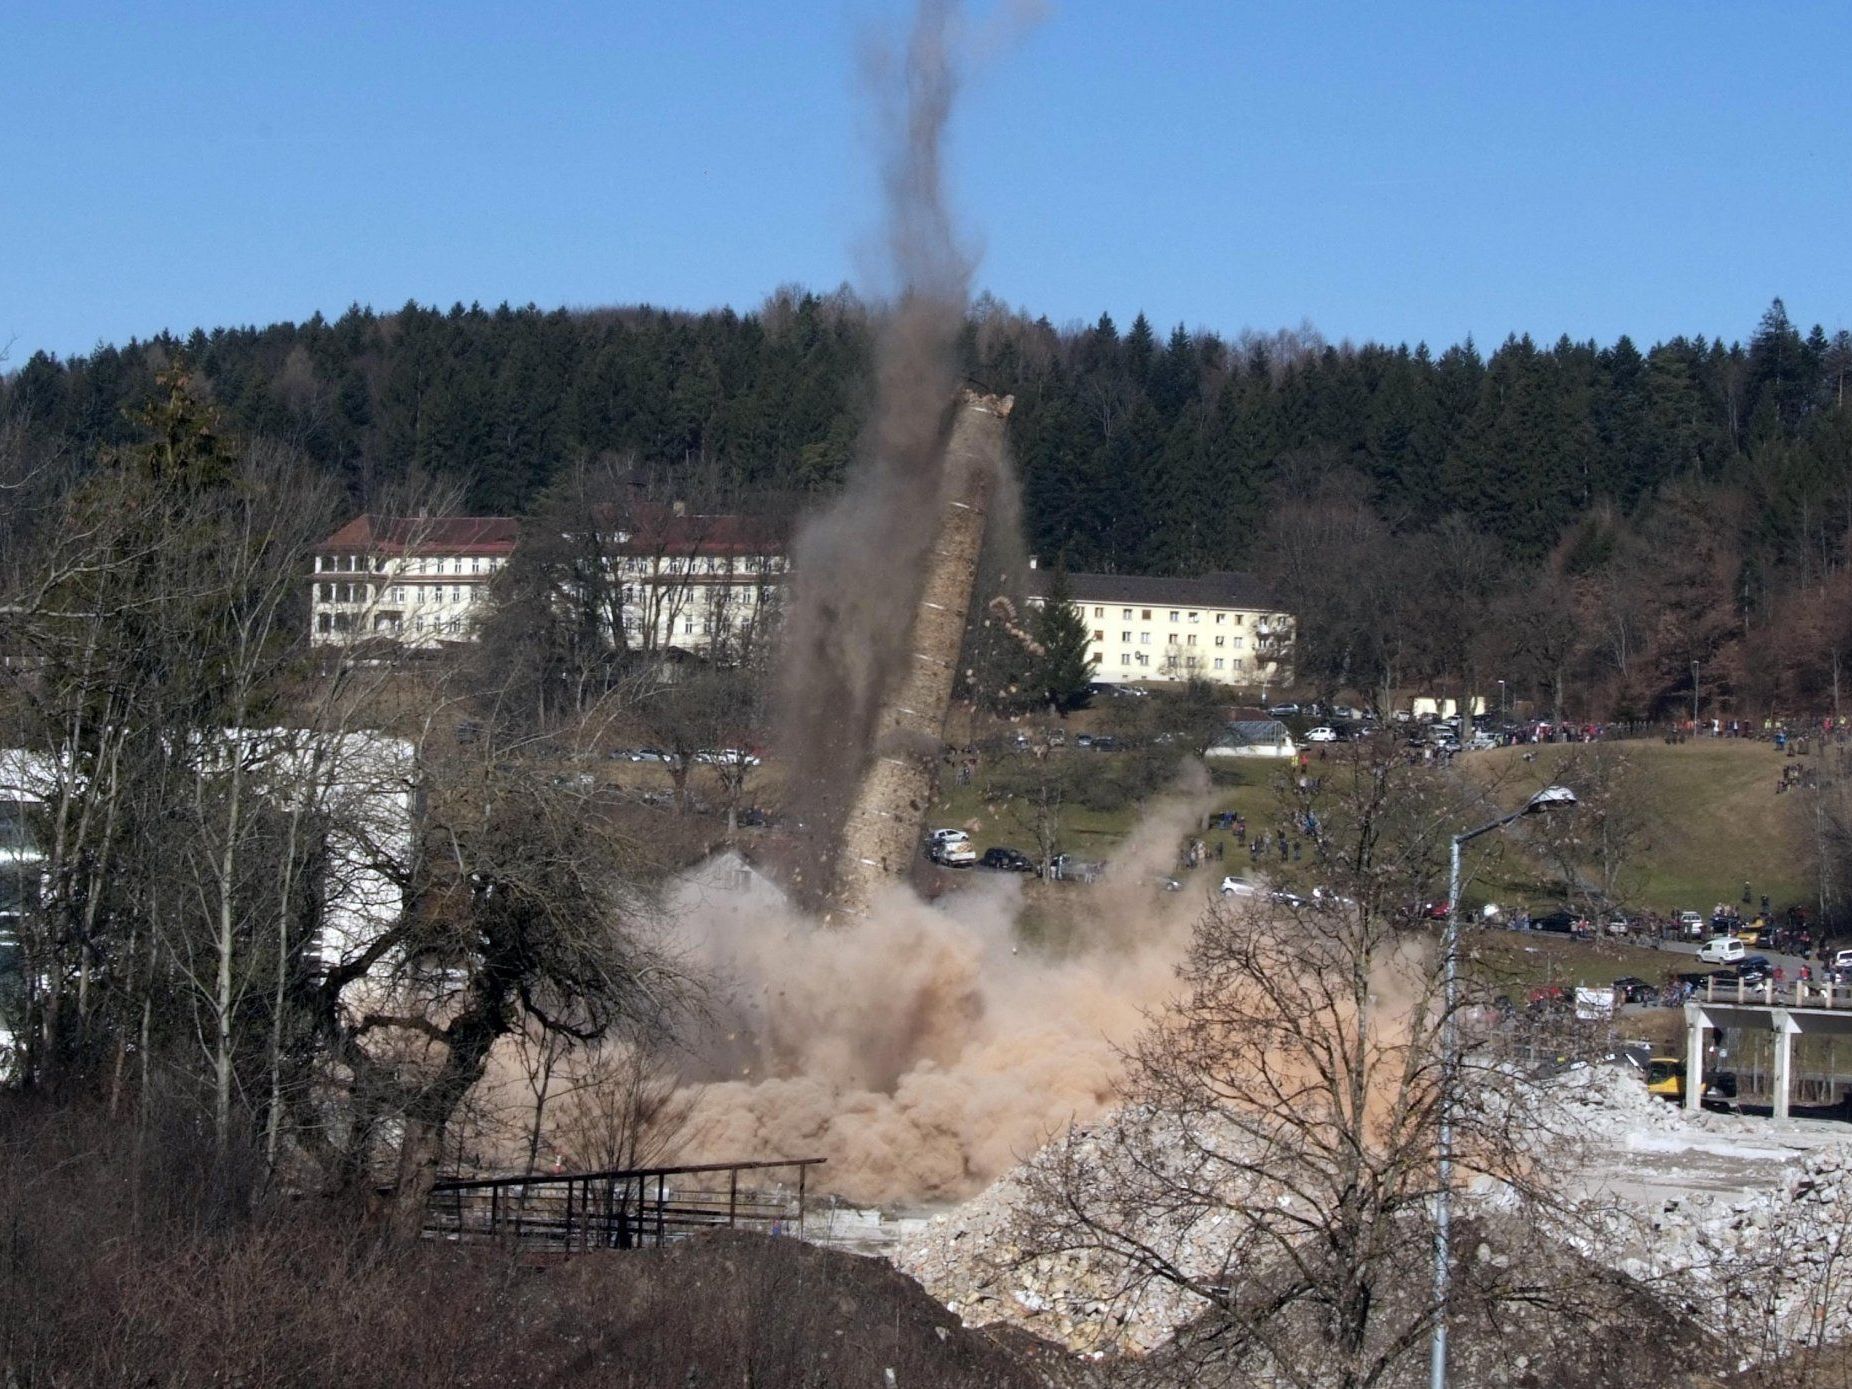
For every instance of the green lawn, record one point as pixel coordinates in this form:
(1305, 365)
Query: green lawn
(1712, 820)
(1248, 791)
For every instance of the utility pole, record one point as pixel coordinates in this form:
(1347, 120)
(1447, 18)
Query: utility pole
(1694, 699)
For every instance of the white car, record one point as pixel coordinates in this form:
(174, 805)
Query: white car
(1321, 734)
(954, 853)
(948, 837)
(1236, 887)
(1690, 924)
(1721, 950)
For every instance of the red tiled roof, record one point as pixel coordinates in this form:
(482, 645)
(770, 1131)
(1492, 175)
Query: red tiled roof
(658, 530)
(426, 535)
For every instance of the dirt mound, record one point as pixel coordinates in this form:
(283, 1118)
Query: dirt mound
(733, 1308)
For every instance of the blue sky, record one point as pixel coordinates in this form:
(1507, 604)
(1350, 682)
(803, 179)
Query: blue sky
(1394, 172)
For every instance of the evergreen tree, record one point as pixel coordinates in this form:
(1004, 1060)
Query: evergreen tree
(1063, 669)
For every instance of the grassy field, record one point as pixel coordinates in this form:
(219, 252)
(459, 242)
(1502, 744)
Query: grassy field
(1249, 791)
(1711, 820)
(1709, 817)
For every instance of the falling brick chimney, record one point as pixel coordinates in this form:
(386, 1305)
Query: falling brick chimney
(887, 814)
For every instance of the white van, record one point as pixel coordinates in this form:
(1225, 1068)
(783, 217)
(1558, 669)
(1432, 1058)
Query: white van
(1721, 950)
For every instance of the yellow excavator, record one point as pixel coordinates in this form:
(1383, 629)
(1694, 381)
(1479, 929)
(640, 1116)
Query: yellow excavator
(1665, 1077)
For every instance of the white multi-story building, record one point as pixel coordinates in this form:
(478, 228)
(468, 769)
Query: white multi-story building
(703, 583)
(685, 581)
(1223, 627)
(414, 580)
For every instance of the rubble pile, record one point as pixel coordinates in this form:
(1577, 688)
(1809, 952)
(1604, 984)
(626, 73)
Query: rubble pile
(1604, 1104)
(1766, 1261)
(1770, 1269)
(972, 1259)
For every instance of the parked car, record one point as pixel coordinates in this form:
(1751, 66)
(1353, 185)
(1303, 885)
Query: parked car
(948, 836)
(1560, 921)
(1722, 950)
(1105, 742)
(1083, 740)
(1690, 925)
(953, 853)
(726, 757)
(1324, 733)
(1630, 988)
(1282, 711)
(1007, 860)
(1748, 971)
(1842, 959)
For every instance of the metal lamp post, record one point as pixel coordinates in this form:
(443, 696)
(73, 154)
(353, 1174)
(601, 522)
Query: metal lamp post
(1550, 798)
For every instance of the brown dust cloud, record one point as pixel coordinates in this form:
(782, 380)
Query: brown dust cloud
(923, 1051)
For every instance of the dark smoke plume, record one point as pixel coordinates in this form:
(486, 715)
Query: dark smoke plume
(859, 565)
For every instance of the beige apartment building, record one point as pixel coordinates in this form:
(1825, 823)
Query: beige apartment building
(693, 583)
(1223, 627)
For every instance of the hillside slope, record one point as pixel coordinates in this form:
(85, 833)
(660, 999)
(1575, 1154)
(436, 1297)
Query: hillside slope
(1712, 819)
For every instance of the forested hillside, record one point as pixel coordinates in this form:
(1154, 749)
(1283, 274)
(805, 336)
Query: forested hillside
(1676, 501)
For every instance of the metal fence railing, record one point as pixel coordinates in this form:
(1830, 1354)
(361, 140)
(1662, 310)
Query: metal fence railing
(627, 1208)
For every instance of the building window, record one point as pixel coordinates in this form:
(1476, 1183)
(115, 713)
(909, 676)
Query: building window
(398, 594)
(1143, 659)
(1099, 636)
(1220, 618)
(1099, 612)
(1237, 619)
(1126, 637)
(456, 593)
(1196, 617)
(1219, 662)
(327, 593)
(688, 626)
(1192, 638)
(1127, 615)
(1125, 658)
(324, 623)
(418, 623)
(1237, 643)
(475, 564)
(1173, 639)
(1144, 638)
(1173, 614)
(1145, 614)
(1240, 664)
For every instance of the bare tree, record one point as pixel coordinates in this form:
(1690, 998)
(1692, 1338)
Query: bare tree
(1274, 1159)
(626, 1105)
